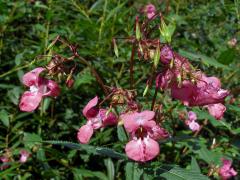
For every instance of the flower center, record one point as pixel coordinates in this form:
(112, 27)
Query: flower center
(33, 89)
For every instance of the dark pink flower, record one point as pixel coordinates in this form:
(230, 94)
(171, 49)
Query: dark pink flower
(166, 54)
(144, 132)
(96, 118)
(191, 121)
(225, 171)
(206, 91)
(150, 10)
(24, 156)
(163, 79)
(216, 110)
(5, 160)
(38, 88)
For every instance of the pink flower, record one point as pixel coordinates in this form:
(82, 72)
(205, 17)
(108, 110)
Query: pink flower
(150, 10)
(38, 88)
(216, 110)
(206, 91)
(5, 160)
(144, 132)
(166, 54)
(225, 171)
(191, 121)
(24, 156)
(96, 118)
(163, 79)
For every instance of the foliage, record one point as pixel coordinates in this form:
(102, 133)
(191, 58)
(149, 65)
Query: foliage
(202, 34)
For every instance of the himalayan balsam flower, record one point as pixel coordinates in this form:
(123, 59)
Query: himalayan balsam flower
(144, 132)
(5, 160)
(38, 88)
(225, 171)
(96, 118)
(216, 110)
(150, 10)
(24, 156)
(191, 121)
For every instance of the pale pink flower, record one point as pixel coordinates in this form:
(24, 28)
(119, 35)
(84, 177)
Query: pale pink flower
(38, 88)
(150, 10)
(226, 171)
(96, 119)
(216, 110)
(24, 156)
(191, 121)
(143, 132)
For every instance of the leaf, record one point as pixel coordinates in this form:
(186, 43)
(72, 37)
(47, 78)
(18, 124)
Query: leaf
(227, 56)
(31, 139)
(4, 117)
(202, 58)
(194, 165)
(110, 168)
(121, 134)
(177, 173)
(88, 173)
(89, 149)
(132, 171)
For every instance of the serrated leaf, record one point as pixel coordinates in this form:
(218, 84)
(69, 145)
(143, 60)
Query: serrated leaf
(110, 168)
(87, 173)
(31, 139)
(177, 173)
(202, 58)
(194, 165)
(132, 171)
(4, 117)
(122, 136)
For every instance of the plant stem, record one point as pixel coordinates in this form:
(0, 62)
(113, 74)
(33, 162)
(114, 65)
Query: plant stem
(131, 66)
(154, 98)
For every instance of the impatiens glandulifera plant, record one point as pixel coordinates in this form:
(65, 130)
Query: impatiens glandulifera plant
(145, 127)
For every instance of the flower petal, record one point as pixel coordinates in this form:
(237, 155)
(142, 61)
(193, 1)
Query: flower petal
(52, 88)
(85, 133)
(31, 78)
(109, 119)
(192, 116)
(216, 110)
(142, 150)
(90, 110)
(194, 126)
(30, 101)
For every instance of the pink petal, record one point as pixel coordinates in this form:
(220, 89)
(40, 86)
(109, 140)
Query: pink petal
(150, 10)
(142, 150)
(192, 116)
(166, 54)
(31, 78)
(194, 126)
(85, 133)
(24, 156)
(216, 110)
(52, 88)
(132, 121)
(90, 110)
(158, 133)
(225, 171)
(30, 101)
(109, 119)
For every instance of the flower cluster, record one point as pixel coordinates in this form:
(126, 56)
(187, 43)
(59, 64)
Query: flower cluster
(226, 171)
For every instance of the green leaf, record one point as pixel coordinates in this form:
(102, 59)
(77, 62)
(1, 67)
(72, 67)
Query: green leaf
(202, 58)
(110, 168)
(138, 32)
(227, 56)
(194, 165)
(122, 136)
(87, 173)
(31, 140)
(156, 57)
(4, 117)
(132, 171)
(177, 173)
